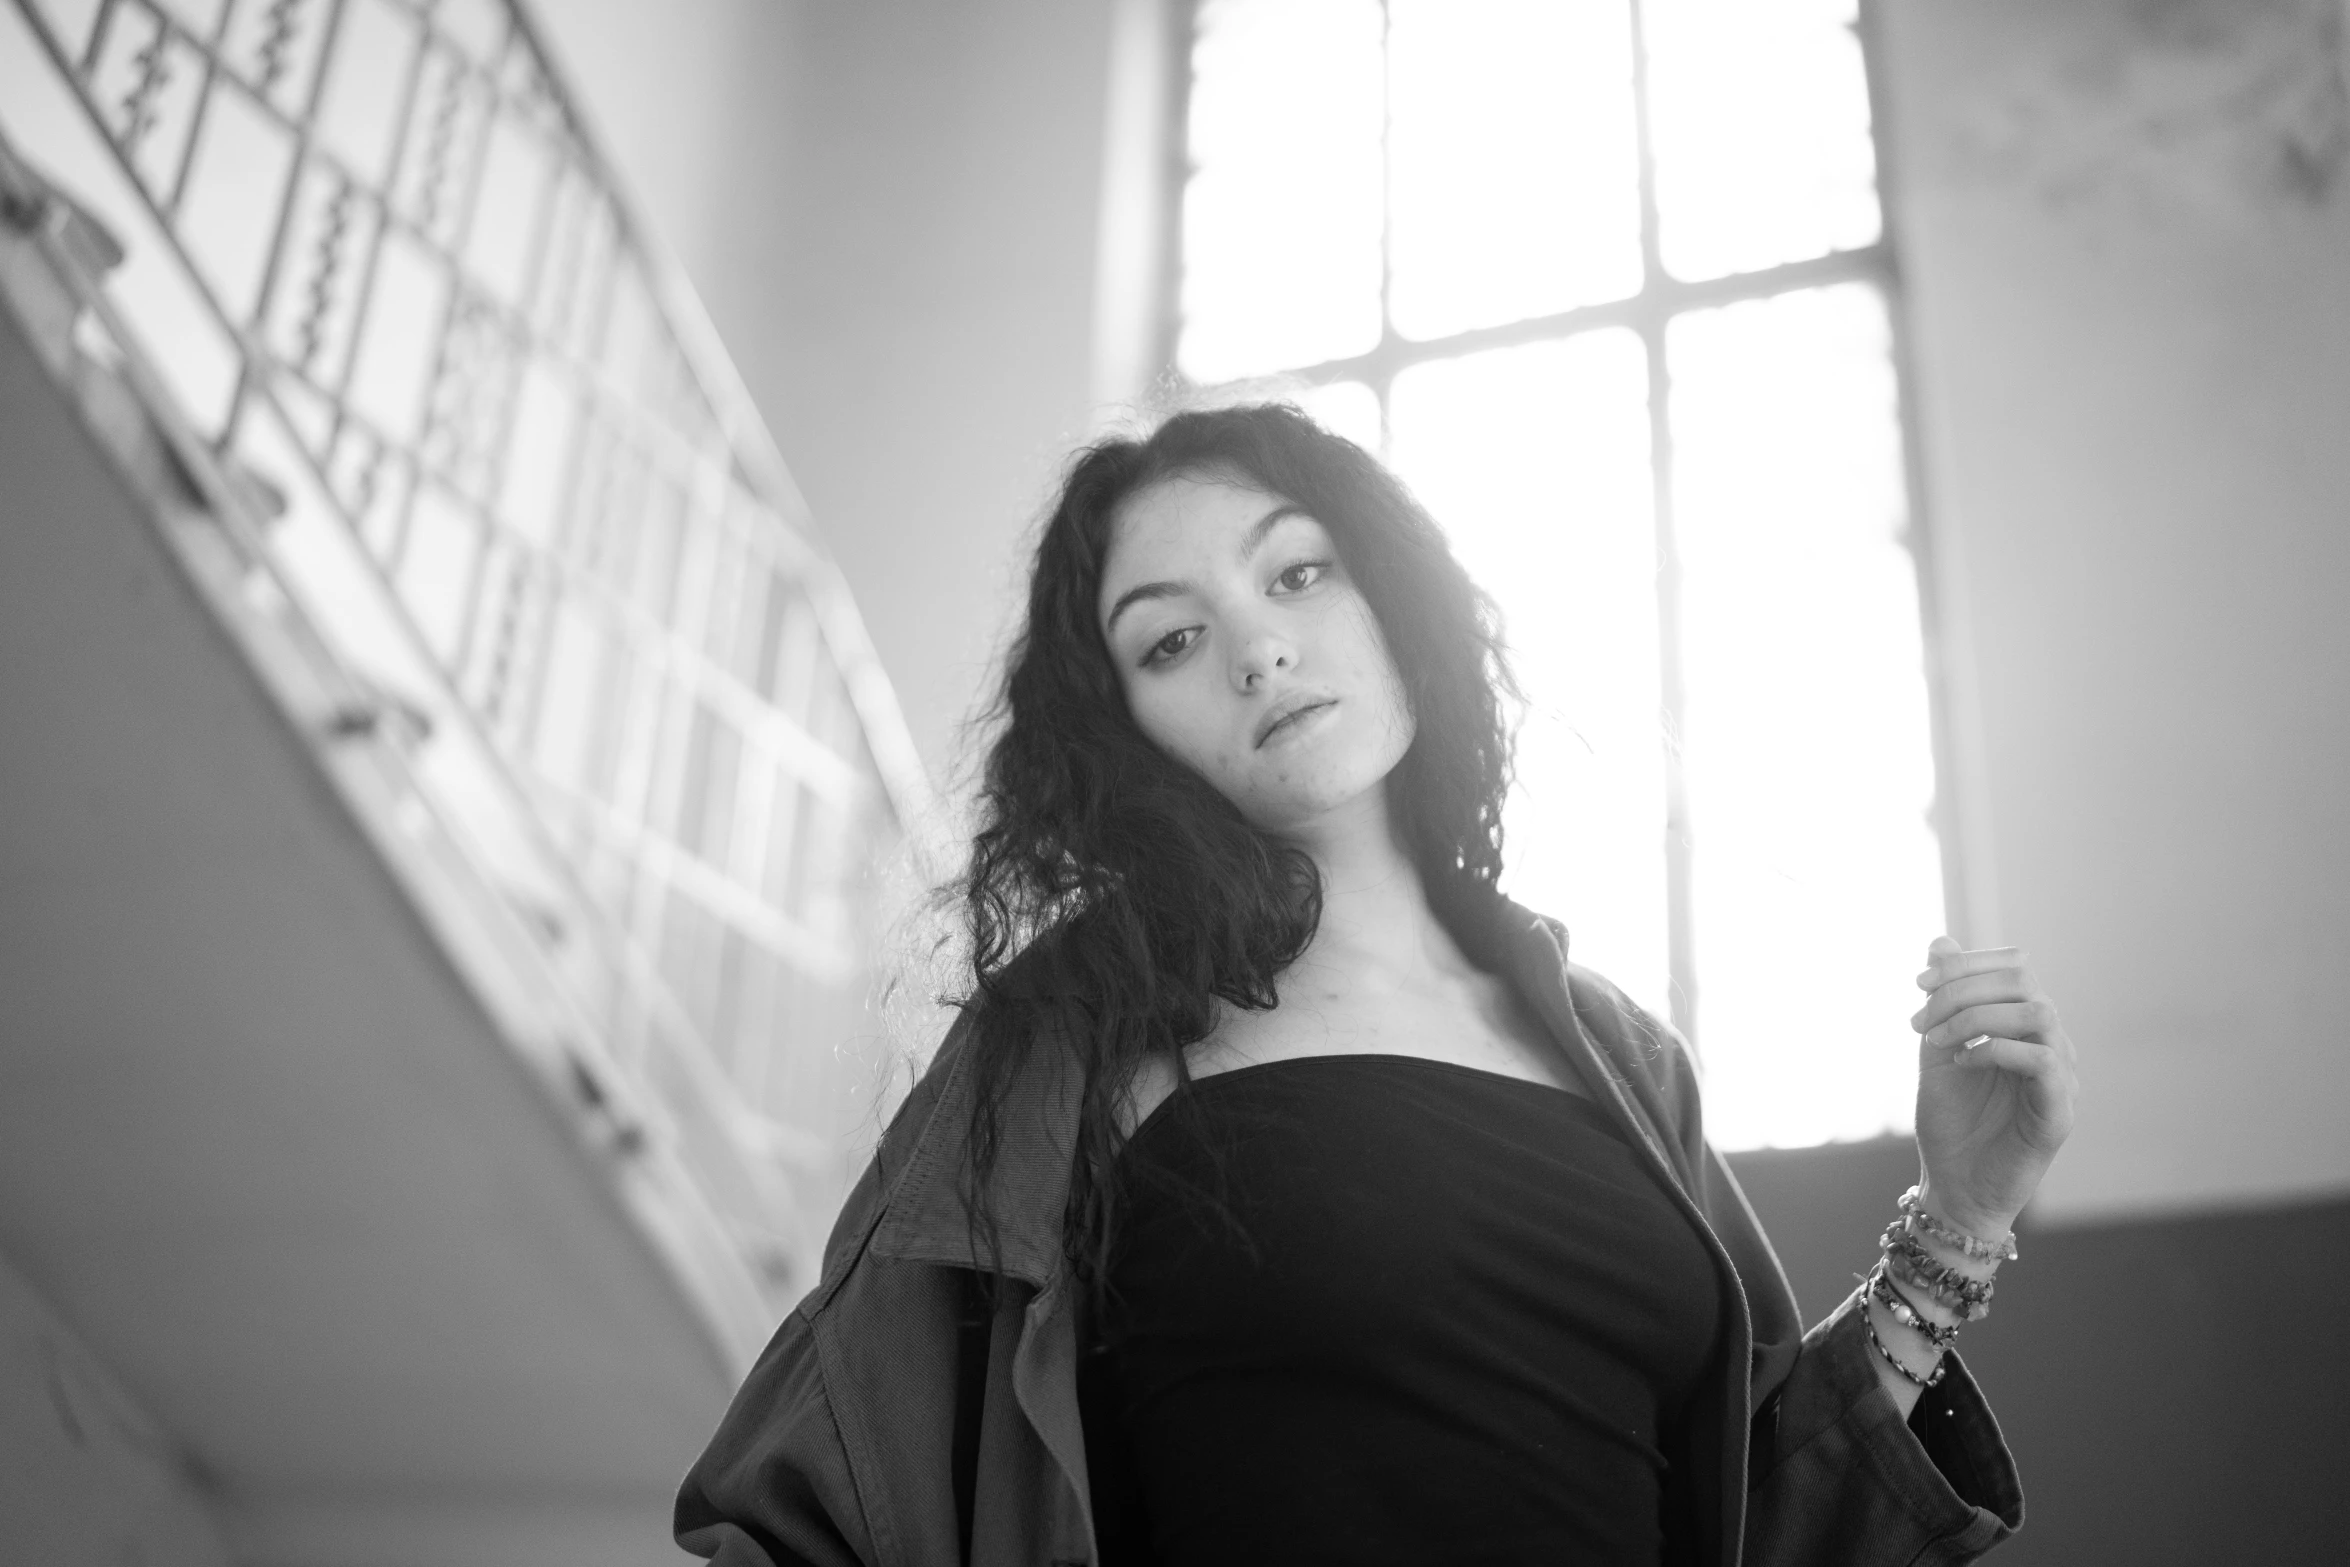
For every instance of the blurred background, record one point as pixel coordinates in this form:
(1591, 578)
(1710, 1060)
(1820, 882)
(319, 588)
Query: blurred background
(504, 512)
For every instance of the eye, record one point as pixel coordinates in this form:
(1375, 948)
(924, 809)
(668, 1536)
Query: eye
(1169, 646)
(1298, 576)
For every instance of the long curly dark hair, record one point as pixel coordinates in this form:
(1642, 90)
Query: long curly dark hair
(1112, 895)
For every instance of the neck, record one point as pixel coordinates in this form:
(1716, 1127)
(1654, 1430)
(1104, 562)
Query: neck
(1376, 926)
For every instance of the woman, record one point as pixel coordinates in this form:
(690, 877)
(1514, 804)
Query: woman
(1282, 1193)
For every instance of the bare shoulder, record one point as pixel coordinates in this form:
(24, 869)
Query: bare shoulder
(1240, 1038)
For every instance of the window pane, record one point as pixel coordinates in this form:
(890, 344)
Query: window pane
(1759, 117)
(1536, 460)
(1282, 218)
(706, 802)
(1816, 882)
(1347, 408)
(1512, 160)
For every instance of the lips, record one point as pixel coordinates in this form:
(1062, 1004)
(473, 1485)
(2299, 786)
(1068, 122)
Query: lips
(1280, 715)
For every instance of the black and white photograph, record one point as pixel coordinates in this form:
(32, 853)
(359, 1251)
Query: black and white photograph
(1174, 783)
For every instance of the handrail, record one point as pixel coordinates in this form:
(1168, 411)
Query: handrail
(526, 499)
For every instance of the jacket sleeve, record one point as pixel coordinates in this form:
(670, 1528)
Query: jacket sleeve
(773, 1488)
(1836, 1477)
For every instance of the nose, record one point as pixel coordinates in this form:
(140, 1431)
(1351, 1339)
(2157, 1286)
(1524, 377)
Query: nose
(1260, 655)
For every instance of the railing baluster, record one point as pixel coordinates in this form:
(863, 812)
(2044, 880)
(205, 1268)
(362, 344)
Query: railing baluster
(281, 24)
(138, 107)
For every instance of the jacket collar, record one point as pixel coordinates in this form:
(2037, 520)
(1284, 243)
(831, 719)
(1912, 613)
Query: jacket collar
(925, 1217)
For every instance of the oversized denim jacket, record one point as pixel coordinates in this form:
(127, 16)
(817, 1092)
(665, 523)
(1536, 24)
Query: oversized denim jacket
(839, 1447)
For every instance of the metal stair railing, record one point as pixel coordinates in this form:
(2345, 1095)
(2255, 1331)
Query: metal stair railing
(393, 291)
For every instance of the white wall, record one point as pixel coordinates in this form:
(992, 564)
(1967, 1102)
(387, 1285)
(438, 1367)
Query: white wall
(892, 209)
(86, 1476)
(2127, 227)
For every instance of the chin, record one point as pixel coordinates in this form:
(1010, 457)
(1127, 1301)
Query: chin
(1300, 805)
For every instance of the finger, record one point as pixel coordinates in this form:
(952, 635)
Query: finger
(2019, 1056)
(1975, 990)
(1938, 951)
(1942, 969)
(2032, 1020)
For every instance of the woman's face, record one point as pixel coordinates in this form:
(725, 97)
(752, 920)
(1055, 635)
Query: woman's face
(1248, 654)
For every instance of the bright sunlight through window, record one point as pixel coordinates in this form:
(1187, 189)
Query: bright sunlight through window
(1606, 282)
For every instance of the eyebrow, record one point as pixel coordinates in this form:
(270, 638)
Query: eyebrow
(1249, 543)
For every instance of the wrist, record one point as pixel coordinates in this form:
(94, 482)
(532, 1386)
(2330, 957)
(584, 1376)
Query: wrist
(1932, 1257)
(1987, 1225)
(1952, 1258)
(1911, 1343)
(1907, 1352)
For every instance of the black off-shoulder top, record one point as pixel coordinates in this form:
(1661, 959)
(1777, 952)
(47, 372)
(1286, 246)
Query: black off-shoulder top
(1379, 1309)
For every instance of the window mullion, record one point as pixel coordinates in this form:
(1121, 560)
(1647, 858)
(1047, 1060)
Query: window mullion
(1182, 38)
(1651, 323)
(1965, 900)
(1382, 381)
(1667, 298)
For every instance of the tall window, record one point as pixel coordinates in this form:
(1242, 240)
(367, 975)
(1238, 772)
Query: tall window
(1606, 280)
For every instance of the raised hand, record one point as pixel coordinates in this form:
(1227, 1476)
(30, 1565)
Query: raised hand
(1997, 1085)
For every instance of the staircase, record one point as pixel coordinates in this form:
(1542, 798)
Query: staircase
(445, 797)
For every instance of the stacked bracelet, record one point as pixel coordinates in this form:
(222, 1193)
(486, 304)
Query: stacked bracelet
(1899, 1268)
(1907, 1262)
(1921, 1269)
(1882, 1286)
(1967, 1246)
(1893, 1360)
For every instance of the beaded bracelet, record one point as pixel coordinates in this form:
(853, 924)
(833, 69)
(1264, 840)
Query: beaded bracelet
(1904, 1272)
(1970, 1298)
(1898, 1236)
(1914, 1266)
(2002, 1250)
(1898, 1306)
(1940, 1366)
